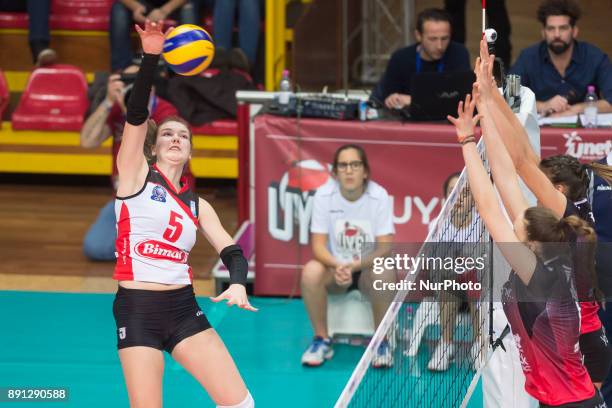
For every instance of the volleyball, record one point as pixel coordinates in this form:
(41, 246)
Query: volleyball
(188, 49)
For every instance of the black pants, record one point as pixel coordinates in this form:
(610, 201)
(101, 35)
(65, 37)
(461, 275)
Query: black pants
(497, 16)
(597, 354)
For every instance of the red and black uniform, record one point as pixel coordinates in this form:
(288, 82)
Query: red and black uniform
(545, 322)
(593, 341)
(157, 228)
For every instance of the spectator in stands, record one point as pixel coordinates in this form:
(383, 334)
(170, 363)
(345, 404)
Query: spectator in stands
(107, 120)
(348, 212)
(126, 12)
(248, 25)
(434, 51)
(559, 69)
(497, 18)
(38, 27)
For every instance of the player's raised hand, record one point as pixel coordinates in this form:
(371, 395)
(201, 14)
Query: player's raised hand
(152, 37)
(465, 122)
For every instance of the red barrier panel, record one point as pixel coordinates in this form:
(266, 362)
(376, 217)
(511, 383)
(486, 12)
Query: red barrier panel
(585, 144)
(410, 160)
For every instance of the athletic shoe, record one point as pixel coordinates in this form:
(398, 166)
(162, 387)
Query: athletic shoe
(319, 350)
(384, 356)
(442, 356)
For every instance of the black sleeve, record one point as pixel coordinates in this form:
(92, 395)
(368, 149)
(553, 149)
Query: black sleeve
(397, 75)
(236, 263)
(137, 109)
(461, 58)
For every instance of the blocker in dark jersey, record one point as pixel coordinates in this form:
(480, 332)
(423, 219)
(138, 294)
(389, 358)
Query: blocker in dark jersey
(593, 341)
(545, 322)
(584, 280)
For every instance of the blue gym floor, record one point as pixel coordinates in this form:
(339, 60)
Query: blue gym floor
(62, 339)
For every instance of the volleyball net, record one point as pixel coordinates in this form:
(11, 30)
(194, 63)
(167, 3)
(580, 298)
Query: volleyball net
(438, 323)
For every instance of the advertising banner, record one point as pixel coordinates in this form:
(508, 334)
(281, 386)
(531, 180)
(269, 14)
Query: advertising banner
(411, 161)
(292, 160)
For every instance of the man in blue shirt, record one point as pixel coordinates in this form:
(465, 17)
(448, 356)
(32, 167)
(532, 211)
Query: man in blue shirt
(434, 51)
(560, 68)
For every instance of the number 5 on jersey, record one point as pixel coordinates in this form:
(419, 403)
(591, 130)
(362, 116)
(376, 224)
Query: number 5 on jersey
(175, 228)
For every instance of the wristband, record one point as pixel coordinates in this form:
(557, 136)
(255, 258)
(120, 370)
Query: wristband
(466, 139)
(236, 263)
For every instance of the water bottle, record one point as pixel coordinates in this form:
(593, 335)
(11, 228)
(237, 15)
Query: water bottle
(512, 92)
(590, 110)
(285, 89)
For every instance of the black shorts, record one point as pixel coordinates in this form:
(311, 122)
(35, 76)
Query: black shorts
(158, 319)
(596, 353)
(595, 402)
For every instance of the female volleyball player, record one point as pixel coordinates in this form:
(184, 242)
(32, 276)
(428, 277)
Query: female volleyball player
(157, 222)
(560, 183)
(538, 297)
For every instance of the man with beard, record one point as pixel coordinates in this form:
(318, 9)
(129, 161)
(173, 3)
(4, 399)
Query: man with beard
(559, 69)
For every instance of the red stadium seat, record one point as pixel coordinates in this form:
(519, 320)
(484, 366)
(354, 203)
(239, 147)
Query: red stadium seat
(218, 127)
(55, 98)
(82, 7)
(80, 14)
(67, 15)
(4, 95)
(13, 20)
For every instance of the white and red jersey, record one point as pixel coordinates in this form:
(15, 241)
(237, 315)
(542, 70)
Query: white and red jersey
(156, 229)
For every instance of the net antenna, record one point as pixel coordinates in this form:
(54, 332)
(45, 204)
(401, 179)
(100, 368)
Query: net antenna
(484, 16)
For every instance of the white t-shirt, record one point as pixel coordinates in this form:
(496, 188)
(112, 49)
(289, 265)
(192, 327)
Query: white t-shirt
(351, 224)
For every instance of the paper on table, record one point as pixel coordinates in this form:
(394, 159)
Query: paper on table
(563, 120)
(603, 119)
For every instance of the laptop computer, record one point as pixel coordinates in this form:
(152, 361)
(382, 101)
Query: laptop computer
(436, 94)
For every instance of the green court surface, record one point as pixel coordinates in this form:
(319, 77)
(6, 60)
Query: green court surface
(68, 340)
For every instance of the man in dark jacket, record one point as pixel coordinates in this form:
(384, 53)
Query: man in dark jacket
(434, 51)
